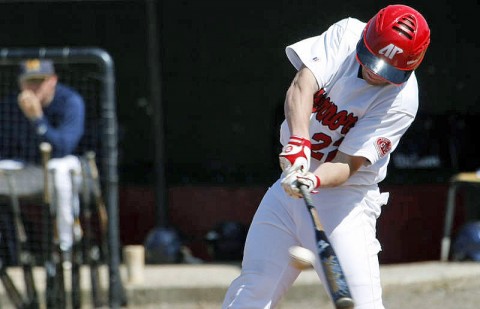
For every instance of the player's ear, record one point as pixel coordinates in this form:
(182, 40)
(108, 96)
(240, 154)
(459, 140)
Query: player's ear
(52, 80)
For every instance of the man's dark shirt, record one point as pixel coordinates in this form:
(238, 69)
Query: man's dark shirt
(62, 125)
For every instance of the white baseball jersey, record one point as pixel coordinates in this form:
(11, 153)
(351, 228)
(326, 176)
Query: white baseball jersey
(349, 114)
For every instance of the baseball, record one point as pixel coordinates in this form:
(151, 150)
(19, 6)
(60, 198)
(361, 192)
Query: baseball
(301, 258)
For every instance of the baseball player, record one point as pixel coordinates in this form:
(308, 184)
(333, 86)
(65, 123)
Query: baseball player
(353, 97)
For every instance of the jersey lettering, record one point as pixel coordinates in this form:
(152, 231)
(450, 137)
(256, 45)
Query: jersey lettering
(327, 114)
(390, 51)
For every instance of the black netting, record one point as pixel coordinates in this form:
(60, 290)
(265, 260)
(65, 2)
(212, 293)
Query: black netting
(22, 176)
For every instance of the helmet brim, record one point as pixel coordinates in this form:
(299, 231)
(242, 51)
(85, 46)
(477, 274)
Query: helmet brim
(380, 66)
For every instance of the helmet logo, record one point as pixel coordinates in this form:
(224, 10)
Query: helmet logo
(390, 51)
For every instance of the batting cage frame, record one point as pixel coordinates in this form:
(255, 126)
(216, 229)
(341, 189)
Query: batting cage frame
(108, 134)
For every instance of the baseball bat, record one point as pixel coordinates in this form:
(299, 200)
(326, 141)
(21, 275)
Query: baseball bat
(92, 250)
(336, 282)
(102, 211)
(57, 252)
(12, 291)
(97, 193)
(24, 254)
(46, 150)
(76, 247)
(55, 288)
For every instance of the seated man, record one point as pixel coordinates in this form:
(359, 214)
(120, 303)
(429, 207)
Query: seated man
(45, 111)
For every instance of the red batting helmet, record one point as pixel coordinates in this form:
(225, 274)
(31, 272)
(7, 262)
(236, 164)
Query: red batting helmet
(394, 42)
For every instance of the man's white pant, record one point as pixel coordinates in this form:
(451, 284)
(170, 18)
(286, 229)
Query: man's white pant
(64, 198)
(348, 215)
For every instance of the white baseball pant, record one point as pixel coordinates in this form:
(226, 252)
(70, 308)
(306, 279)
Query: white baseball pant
(63, 186)
(348, 214)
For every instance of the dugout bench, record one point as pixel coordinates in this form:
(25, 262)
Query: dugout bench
(456, 181)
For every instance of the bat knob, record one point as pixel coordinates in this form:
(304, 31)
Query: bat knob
(344, 303)
(45, 147)
(90, 155)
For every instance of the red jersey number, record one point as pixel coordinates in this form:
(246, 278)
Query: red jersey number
(324, 141)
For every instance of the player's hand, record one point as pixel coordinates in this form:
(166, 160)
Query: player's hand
(295, 156)
(30, 104)
(292, 181)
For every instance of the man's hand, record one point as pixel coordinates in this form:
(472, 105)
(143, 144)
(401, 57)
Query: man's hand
(292, 181)
(30, 105)
(295, 156)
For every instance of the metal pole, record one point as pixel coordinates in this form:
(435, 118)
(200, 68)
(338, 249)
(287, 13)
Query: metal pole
(158, 117)
(110, 157)
(446, 240)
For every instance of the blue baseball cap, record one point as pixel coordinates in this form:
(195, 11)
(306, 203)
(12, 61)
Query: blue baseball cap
(36, 68)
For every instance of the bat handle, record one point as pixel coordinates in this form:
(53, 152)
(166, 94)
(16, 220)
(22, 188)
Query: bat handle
(306, 195)
(311, 208)
(46, 151)
(344, 303)
(91, 157)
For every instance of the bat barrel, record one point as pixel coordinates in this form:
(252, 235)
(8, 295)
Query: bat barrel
(336, 282)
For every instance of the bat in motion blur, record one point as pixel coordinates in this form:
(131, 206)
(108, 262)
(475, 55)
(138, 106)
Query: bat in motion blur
(336, 282)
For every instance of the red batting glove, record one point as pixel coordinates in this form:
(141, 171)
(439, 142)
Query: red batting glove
(295, 155)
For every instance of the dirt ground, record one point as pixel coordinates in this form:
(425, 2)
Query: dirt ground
(450, 286)
(455, 295)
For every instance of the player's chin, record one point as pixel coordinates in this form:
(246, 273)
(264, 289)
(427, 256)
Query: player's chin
(377, 83)
(373, 79)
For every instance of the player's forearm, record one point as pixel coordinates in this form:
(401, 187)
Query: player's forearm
(336, 172)
(333, 174)
(297, 113)
(299, 102)
(66, 135)
(64, 139)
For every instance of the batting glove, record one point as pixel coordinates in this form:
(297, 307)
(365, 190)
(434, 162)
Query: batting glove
(292, 181)
(295, 156)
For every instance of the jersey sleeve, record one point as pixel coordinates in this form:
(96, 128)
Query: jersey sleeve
(376, 136)
(378, 132)
(69, 129)
(322, 54)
